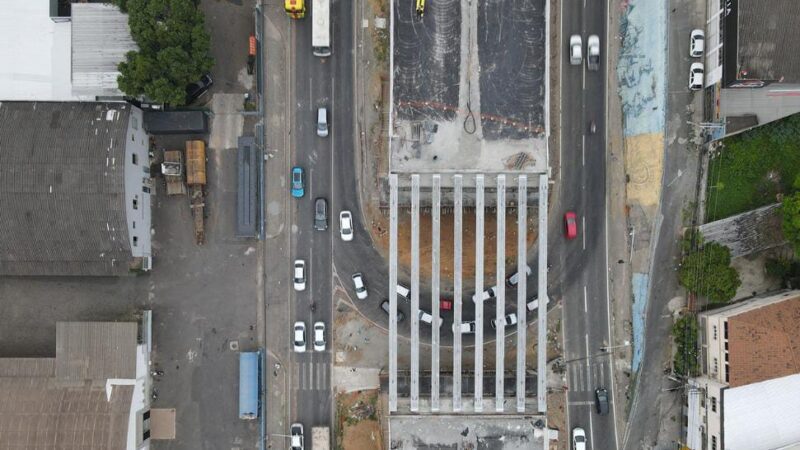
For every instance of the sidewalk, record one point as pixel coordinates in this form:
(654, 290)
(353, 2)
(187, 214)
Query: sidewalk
(276, 310)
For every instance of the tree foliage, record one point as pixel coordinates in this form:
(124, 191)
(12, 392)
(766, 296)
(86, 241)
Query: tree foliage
(173, 49)
(791, 219)
(706, 271)
(685, 362)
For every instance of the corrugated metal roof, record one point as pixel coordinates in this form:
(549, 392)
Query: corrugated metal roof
(748, 232)
(95, 350)
(100, 39)
(762, 415)
(62, 190)
(768, 48)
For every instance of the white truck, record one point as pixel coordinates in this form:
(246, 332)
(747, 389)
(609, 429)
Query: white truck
(321, 28)
(320, 438)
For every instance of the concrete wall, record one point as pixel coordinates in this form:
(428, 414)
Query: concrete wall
(137, 185)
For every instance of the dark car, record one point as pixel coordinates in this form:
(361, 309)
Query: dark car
(198, 88)
(320, 214)
(385, 308)
(601, 401)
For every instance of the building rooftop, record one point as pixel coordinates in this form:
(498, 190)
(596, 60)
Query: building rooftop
(456, 432)
(763, 415)
(748, 232)
(66, 400)
(764, 342)
(767, 44)
(100, 39)
(62, 189)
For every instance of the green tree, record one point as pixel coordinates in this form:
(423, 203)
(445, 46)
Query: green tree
(684, 332)
(707, 271)
(791, 219)
(173, 49)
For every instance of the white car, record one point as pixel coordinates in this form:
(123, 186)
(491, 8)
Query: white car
(346, 225)
(575, 50)
(299, 337)
(593, 52)
(466, 328)
(296, 439)
(299, 275)
(696, 76)
(578, 439)
(509, 320)
(514, 278)
(533, 305)
(403, 291)
(486, 295)
(358, 284)
(319, 337)
(426, 317)
(697, 43)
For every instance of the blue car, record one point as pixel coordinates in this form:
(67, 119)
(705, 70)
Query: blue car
(298, 187)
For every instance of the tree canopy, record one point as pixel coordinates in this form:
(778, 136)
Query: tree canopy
(706, 271)
(791, 219)
(685, 362)
(173, 49)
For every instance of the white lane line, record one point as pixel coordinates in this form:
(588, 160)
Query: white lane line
(585, 301)
(583, 225)
(583, 150)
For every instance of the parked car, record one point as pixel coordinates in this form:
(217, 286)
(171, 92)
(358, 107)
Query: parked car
(466, 328)
(404, 292)
(575, 50)
(571, 225)
(601, 401)
(322, 122)
(533, 304)
(346, 226)
(296, 439)
(198, 88)
(593, 53)
(445, 304)
(696, 71)
(299, 337)
(509, 320)
(514, 278)
(488, 294)
(358, 284)
(320, 214)
(427, 317)
(319, 336)
(578, 439)
(697, 43)
(299, 275)
(385, 308)
(298, 184)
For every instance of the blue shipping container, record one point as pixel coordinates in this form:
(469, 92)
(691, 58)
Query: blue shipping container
(248, 385)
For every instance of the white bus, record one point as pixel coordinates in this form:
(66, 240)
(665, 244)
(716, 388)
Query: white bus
(321, 27)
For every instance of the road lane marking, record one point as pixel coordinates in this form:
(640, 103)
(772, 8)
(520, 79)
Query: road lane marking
(583, 225)
(585, 307)
(583, 151)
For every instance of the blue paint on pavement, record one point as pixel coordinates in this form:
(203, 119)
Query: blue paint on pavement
(641, 70)
(640, 282)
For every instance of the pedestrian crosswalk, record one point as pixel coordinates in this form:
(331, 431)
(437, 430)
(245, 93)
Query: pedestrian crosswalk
(586, 376)
(311, 376)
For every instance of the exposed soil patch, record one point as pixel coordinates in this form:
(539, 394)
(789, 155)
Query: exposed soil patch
(358, 421)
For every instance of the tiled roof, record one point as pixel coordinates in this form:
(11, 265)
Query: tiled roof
(95, 350)
(62, 190)
(768, 48)
(764, 343)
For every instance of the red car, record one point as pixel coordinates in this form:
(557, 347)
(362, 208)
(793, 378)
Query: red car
(445, 305)
(571, 225)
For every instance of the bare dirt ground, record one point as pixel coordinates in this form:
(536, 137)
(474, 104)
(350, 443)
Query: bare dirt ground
(358, 417)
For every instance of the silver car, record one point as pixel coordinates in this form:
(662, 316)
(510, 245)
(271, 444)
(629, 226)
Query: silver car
(593, 53)
(575, 50)
(320, 214)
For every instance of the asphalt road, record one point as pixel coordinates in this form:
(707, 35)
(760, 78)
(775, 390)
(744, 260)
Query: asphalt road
(328, 164)
(581, 262)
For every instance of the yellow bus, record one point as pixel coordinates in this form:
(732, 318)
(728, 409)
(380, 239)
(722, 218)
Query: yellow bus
(296, 9)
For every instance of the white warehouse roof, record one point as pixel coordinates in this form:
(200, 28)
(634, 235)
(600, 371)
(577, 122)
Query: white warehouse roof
(763, 415)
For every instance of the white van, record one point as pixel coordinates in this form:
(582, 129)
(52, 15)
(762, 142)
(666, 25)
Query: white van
(322, 122)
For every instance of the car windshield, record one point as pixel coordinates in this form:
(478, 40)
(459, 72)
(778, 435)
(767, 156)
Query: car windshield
(580, 439)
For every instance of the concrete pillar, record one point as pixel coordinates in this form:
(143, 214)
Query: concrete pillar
(393, 293)
(435, 261)
(479, 234)
(541, 388)
(500, 303)
(457, 290)
(414, 293)
(522, 270)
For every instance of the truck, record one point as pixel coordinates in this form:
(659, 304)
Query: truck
(196, 180)
(172, 169)
(320, 438)
(296, 9)
(248, 385)
(321, 28)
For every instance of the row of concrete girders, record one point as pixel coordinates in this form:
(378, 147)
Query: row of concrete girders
(458, 294)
